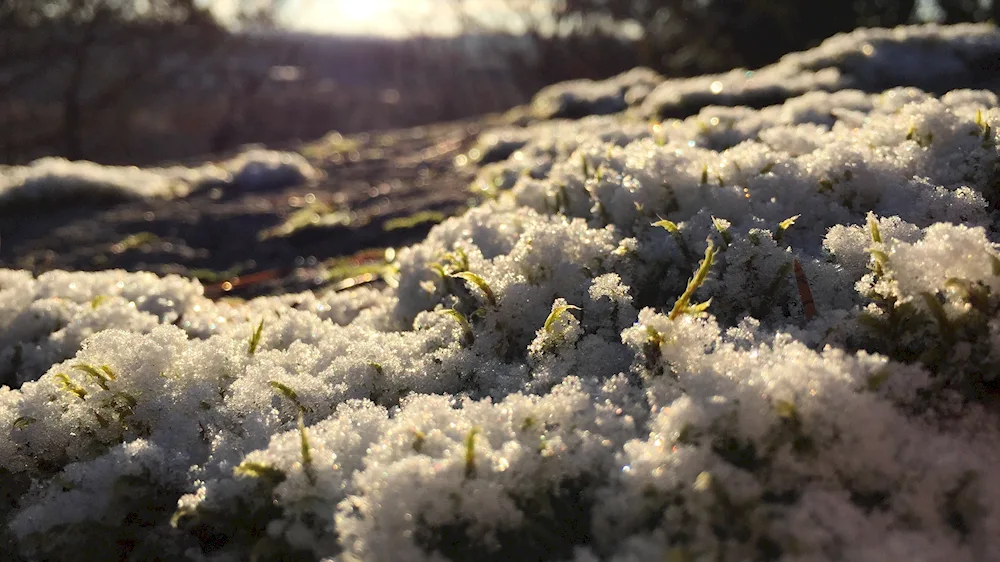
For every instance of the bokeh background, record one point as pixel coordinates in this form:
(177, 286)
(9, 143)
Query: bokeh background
(150, 81)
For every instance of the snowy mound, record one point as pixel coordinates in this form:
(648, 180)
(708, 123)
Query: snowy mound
(752, 334)
(49, 180)
(928, 57)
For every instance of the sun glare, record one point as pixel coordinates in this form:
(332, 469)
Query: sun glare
(397, 18)
(351, 17)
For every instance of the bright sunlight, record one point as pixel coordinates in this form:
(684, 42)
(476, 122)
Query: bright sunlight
(369, 17)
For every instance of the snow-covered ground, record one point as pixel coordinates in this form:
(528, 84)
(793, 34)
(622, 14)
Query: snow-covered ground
(751, 334)
(50, 180)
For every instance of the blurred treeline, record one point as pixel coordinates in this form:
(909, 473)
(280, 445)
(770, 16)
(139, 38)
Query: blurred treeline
(143, 81)
(690, 37)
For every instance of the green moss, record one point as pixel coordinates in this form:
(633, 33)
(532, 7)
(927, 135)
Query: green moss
(132, 241)
(417, 219)
(316, 214)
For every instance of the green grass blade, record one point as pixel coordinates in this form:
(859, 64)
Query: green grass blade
(681, 306)
(478, 282)
(255, 338)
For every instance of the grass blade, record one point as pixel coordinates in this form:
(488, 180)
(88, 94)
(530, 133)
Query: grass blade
(255, 338)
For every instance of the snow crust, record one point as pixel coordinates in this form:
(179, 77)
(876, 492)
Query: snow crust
(51, 179)
(749, 334)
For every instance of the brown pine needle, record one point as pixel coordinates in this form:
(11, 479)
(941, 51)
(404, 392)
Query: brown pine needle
(805, 294)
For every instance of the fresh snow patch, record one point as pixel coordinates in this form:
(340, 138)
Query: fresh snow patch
(748, 334)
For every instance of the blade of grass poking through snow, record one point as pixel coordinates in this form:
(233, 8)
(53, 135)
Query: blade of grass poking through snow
(682, 306)
(723, 227)
(470, 453)
(288, 393)
(68, 385)
(100, 377)
(783, 226)
(418, 440)
(940, 316)
(259, 470)
(307, 465)
(675, 231)
(478, 282)
(255, 338)
(873, 229)
(462, 321)
(556, 313)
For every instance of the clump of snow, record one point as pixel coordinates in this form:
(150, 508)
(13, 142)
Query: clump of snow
(873, 60)
(747, 334)
(577, 98)
(51, 179)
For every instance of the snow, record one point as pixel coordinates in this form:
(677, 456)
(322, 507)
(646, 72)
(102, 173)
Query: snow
(529, 391)
(52, 179)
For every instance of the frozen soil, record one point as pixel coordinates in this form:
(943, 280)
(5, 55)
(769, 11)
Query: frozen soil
(370, 177)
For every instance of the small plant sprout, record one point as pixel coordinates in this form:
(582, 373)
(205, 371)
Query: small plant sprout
(783, 226)
(288, 393)
(805, 294)
(560, 203)
(470, 453)
(100, 376)
(670, 226)
(418, 440)
(704, 174)
(879, 257)
(656, 129)
(873, 229)
(554, 316)
(675, 231)
(478, 281)
(682, 305)
(255, 338)
(923, 141)
(260, 470)
(467, 334)
(452, 262)
(584, 165)
(940, 316)
(985, 132)
(652, 351)
(976, 294)
(67, 384)
(722, 225)
(307, 465)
